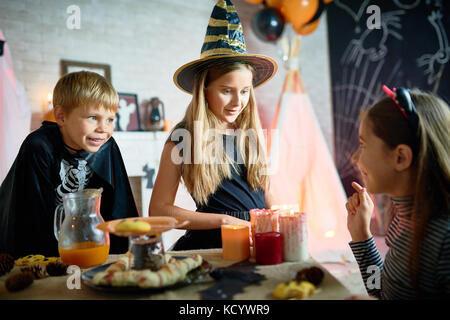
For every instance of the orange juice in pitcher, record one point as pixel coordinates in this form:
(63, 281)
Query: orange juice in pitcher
(79, 241)
(85, 254)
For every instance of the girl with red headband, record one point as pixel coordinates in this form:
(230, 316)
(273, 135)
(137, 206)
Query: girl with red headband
(404, 152)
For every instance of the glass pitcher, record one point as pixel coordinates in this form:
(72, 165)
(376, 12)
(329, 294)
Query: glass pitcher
(79, 241)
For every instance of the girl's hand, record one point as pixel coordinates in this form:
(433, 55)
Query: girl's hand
(360, 208)
(226, 219)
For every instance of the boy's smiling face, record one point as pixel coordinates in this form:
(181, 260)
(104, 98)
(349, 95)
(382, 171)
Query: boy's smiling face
(86, 128)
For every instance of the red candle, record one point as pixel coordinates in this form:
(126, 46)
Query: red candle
(269, 248)
(263, 220)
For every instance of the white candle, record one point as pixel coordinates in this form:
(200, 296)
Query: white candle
(295, 236)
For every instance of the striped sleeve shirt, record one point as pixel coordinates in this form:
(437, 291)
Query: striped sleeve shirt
(391, 279)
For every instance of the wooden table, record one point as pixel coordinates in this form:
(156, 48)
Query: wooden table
(52, 288)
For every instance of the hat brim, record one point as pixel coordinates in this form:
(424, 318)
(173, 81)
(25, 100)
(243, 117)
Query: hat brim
(265, 68)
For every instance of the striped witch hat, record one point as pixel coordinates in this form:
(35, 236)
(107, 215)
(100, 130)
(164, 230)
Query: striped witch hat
(224, 39)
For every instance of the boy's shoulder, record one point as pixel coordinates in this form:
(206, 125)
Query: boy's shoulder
(44, 138)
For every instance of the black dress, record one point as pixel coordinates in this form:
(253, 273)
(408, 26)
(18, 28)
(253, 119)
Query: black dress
(233, 197)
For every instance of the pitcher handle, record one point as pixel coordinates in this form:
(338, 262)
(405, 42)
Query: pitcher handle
(59, 216)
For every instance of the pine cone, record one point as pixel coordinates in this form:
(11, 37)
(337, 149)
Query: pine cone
(19, 281)
(6, 263)
(38, 270)
(55, 269)
(312, 274)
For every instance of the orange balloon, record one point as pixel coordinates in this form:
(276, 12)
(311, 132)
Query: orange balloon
(298, 12)
(308, 28)
(274, 3)
(254, 1)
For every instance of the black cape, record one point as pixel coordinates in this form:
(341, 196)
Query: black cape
(28, 193)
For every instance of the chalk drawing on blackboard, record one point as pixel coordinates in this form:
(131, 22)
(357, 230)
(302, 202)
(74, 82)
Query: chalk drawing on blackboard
(435, 63)
(357, 90)
(358, 48)
(437, 3)
(356, 15)
(407, 6)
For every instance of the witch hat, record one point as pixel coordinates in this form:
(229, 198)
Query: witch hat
(224, 39)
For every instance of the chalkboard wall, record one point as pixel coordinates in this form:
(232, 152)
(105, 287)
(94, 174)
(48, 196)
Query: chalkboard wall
(407, 47)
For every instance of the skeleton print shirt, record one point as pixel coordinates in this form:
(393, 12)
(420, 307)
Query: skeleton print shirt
(74, 177)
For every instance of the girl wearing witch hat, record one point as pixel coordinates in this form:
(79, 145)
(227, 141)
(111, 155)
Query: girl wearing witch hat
(218, 149)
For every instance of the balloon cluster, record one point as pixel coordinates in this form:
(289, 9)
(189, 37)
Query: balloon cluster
(268, 23)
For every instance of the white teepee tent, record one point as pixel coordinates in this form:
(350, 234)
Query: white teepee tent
(303, 169)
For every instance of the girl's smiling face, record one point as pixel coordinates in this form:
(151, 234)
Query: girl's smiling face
(229, 94)
(374, 160)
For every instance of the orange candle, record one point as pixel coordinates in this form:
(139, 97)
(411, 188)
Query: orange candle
(168, 125)
(235, 242)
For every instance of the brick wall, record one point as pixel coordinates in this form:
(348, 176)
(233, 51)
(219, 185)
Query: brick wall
(144, 42)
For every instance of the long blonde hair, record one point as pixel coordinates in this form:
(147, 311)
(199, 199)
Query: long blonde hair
(431, 151)
(208, 164)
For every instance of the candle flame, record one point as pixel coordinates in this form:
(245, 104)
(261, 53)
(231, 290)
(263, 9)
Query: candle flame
(49, 97)
(234, 227)
(292, 208)
(329, 234)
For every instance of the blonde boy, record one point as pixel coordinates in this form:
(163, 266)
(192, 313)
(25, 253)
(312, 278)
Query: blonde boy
(75, 153)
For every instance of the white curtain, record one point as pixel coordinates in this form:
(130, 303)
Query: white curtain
(15, 112)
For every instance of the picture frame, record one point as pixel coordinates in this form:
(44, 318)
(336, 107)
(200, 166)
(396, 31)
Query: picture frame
(127, 116)
(68, 66)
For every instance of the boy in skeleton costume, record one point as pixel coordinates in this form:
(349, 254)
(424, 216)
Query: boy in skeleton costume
(75, 153)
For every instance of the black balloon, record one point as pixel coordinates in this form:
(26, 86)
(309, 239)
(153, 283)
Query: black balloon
(268, 24)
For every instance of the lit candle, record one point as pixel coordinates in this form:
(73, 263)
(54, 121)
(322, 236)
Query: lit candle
(48, 114)
(268, 248)
(287, 207)
(235, 242)
(263, 220)
(294, 230)
(49, 101)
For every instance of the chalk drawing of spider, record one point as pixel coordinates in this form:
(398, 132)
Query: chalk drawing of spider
(372, 42)
(437, 60)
